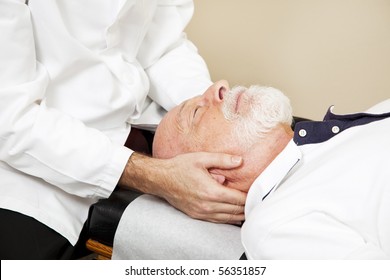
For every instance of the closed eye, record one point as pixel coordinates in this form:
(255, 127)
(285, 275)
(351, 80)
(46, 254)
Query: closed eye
(195, 111)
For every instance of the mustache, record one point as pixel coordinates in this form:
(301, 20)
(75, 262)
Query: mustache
(230, 102)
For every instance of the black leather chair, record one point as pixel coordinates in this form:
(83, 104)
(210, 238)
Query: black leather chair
(104, 215)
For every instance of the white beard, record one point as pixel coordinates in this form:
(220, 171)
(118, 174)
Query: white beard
(265, 107)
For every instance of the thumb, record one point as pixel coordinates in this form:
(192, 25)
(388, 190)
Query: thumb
(220, 161)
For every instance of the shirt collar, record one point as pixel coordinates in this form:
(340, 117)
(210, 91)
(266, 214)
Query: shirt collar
(266, 182)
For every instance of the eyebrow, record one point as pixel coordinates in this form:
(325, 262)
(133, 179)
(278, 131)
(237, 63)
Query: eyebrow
(183, 106)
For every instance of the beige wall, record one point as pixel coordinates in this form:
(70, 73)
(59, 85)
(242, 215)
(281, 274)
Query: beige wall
(319, 52)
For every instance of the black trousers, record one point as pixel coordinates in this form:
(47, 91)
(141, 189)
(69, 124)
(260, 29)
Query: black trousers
(24, 238)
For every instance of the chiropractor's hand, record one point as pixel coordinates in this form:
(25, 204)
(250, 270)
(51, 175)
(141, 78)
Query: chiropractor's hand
(184, 181)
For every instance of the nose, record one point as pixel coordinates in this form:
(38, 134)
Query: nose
(218, 91)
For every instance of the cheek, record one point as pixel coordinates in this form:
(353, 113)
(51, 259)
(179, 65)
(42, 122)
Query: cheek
(217, 138)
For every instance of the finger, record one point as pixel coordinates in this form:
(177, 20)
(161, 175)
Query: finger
(231, 219)
(227, 195)
(223, 218)
(218, 177)
(218, 212)
(223, 208)
(219, 160)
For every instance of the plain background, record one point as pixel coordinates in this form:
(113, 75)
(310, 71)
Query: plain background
(318, 52)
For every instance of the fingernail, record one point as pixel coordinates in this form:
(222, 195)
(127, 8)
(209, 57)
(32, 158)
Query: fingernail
(236, 159)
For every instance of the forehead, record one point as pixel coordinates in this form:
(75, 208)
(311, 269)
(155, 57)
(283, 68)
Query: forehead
(170, 123)
(168, 135)
(178, 115)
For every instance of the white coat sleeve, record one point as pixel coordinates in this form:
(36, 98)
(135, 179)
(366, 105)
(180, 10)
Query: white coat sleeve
(36, 139)
(176, 71)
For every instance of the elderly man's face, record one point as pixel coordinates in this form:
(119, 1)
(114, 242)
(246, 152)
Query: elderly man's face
(199, 124)
(251, 122)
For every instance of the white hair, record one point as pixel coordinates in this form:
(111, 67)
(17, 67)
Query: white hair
(267, 107)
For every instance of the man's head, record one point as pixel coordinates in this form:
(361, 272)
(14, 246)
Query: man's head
(222, 120)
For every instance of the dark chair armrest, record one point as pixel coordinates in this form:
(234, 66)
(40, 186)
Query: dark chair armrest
(104, 216)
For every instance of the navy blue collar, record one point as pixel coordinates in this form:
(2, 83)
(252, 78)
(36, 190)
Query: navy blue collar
(311, 132)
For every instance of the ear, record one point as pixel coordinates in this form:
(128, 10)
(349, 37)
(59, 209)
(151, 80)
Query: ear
(218, 177)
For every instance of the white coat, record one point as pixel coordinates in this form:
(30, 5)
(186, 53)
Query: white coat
(74, 76)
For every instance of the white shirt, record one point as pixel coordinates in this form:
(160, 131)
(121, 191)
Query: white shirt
(334, 203)
(74, 76)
